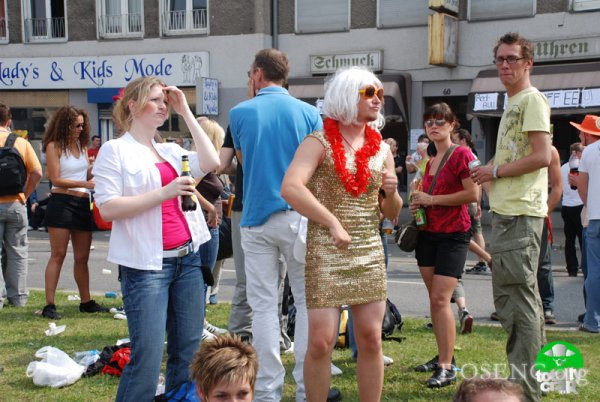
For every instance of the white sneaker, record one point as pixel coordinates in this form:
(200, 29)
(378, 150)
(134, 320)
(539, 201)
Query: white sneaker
(206, 336)
(387, 361)
(290, 350)
(213, 329)
(335, 370)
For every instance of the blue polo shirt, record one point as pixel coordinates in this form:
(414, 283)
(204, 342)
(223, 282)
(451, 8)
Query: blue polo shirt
(268, 129)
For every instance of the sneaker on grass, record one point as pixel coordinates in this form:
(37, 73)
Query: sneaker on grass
(214, 329)
(92, 307)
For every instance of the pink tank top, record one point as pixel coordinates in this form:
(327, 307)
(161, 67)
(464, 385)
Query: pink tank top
(175, 231)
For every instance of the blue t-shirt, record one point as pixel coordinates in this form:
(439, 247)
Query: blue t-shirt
(268, 129)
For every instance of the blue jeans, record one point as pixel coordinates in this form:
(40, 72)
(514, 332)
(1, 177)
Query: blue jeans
(208, 251)
(592, 280)
(171, 299)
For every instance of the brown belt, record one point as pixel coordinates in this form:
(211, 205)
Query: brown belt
(67, 191)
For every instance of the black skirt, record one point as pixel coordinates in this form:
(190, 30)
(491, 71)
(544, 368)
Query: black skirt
(69, 212)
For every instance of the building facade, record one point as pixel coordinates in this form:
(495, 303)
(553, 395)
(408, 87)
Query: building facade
(57, 52)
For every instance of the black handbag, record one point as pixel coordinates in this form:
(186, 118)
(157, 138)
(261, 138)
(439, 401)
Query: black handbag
(225, 243)
(408, 236)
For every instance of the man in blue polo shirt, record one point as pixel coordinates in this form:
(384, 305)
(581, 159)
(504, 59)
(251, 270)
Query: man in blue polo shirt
(266, 131)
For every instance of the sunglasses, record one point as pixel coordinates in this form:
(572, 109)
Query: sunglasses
(370, 91)
(438, 122)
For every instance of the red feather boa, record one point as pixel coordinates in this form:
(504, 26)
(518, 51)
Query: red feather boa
(357, 184)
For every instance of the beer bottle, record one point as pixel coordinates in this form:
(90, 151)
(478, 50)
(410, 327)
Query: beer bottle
(187, 202)
(420, 214)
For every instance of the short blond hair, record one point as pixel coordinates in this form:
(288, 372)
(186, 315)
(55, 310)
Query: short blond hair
(224, 359)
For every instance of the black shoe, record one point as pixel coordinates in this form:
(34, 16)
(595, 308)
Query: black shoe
(49, 311)
(494, 316)
(334, 395)
(479, 268)
(580, 318)
(441, 378)
(573, 274)
(431, 365)
(92, 307)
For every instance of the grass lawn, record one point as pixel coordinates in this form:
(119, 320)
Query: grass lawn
(22, 334)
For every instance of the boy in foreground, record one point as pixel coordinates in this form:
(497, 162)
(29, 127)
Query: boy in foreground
(224, 369)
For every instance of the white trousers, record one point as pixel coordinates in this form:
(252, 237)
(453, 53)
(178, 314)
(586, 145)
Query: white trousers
(262, 246)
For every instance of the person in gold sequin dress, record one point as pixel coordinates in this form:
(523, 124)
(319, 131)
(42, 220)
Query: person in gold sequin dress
(335, 180)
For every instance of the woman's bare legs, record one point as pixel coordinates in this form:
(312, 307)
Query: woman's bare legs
(440, 290)
(59, 240)
(323, 327)
(82, 240)
(368, 319)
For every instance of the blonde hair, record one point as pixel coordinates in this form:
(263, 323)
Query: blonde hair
(213, 130)
(224, 359)
(137, 90)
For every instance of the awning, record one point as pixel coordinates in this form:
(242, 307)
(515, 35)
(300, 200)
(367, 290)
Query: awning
(396, 87)
(570, 89)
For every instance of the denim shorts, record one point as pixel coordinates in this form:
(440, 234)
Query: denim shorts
(446, 252)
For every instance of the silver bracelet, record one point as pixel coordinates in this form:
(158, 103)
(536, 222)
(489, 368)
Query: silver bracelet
(495, 171)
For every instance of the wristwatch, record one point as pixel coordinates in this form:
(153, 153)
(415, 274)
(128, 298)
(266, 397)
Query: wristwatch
(495, 171)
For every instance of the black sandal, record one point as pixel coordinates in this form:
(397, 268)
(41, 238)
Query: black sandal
(441, 378)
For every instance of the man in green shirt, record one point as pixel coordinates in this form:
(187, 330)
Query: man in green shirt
(518, 195)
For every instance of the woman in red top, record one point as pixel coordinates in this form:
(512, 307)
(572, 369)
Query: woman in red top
(441, 251)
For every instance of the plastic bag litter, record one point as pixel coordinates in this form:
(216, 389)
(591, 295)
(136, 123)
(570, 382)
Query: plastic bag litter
(56, 369)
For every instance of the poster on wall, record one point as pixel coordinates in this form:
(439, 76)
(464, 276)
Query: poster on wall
(207, 97)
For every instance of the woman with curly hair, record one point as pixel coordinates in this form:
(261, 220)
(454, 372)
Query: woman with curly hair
(68, 214)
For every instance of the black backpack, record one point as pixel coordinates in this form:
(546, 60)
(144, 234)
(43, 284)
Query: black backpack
(392, 320)
(13, 174)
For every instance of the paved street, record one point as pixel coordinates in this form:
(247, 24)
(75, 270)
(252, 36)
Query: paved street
(405, 286)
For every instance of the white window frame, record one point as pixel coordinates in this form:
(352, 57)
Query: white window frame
(118, 26)
(501, 16)
(29, 37)
(4, 24)
(187, 27)
(298, 30)
(584, 5)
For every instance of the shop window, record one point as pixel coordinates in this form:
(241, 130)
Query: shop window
(184, 17)
(3, 21)
(393, 13)
(478, 10)
(322, 16)
(586, 5)
(171, 125)
(120, 18)
(44, 20)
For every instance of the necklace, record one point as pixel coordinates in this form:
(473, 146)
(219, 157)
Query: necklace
(355, 184)
(348, 142)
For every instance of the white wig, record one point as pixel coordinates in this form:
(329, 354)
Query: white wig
(342, 97)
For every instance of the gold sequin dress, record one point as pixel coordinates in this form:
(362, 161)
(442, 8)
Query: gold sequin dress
(357, 275)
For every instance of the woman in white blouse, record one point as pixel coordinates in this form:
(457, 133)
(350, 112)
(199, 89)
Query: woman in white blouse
(155, 243)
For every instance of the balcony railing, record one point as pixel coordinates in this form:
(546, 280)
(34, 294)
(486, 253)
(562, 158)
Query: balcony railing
(42, 29)
(187, 21)
(2, 28)
(120, 25)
